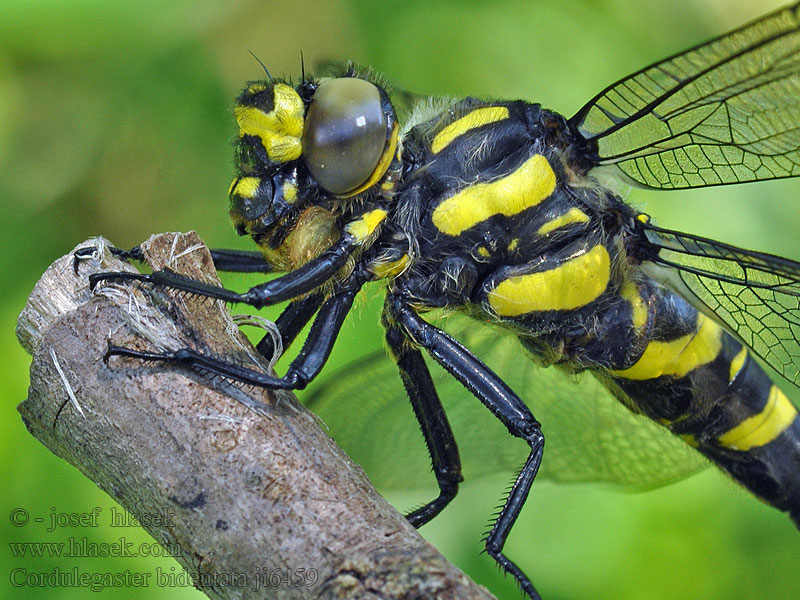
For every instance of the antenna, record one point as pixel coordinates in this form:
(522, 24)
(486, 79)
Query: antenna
(263, 66)
(302, 67)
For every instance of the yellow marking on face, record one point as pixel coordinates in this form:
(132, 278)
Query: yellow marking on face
(246, 187)
(281, 129)
(572, 284)
(391, 269)
(573, 215)
(630, 292)
(290, 192)
(478, 117)
(736, 363)
(527, 186)
(677, 357)
(759, 430)
(258, 86)
(363, 227)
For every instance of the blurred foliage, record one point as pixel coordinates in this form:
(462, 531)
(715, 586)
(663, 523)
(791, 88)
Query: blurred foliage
(115, 119)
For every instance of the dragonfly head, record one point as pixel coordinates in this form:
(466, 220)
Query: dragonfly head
(305, 154)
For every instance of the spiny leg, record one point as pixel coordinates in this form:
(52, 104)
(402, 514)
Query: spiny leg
(304, 367)
(234, 261)
(290, 323)
(295, 283)
(240, 261)
(432, 421)
(502, 402)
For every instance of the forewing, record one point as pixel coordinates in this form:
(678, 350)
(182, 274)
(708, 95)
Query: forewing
(757, 295)
(589, 435)
(727, 111)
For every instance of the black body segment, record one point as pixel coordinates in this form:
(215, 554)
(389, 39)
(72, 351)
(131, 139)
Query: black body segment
(489, 208)
(700, 382)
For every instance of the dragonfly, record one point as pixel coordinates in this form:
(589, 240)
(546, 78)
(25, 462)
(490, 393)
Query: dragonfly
(491, 211)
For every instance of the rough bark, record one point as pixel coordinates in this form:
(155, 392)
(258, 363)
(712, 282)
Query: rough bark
(247, 482)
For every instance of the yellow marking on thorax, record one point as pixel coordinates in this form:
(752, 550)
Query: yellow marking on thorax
(246, 187)
(478, 117)
(527, 186)
(759, 430)
(363, 227)
(390, 269)
(736, 363)
(281, 129)
(513, 244)
(573, 284)
(630, 292)
(677, 357)
(573, 215)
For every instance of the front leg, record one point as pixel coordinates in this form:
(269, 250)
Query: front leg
(295, 283)
(290, 323)
(234, 261)
(304, 367)
(240, 261)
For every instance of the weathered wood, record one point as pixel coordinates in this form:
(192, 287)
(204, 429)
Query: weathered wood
(250, 487)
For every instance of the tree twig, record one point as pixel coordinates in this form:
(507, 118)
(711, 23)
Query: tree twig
(257, 501)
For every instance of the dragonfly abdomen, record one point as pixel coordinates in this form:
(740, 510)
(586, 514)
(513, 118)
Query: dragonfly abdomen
(700, 382)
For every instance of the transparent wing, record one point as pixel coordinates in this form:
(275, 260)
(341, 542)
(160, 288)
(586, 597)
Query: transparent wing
(589, 435)
(756, 295)
(727, 111)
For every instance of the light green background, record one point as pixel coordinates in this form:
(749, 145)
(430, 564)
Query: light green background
(115, 119)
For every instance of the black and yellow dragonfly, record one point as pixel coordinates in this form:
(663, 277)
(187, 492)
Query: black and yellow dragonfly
(492, 210)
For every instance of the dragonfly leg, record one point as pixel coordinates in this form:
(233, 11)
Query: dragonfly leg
(290, 323)
(295, 283)
(502, 402)
(304, 367)
(240, 261)
(86, 252)
(432, 421)
(236, 261)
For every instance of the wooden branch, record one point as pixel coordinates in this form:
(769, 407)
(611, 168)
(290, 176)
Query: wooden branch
(252, 492)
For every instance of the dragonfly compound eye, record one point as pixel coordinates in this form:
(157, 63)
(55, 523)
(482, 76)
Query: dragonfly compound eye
(345, 133)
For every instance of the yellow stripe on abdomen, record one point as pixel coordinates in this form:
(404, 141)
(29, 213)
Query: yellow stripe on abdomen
(679, 356)
(639, 308)
(737, 363)
(572, 284)
(527, 186)
(759, 430)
